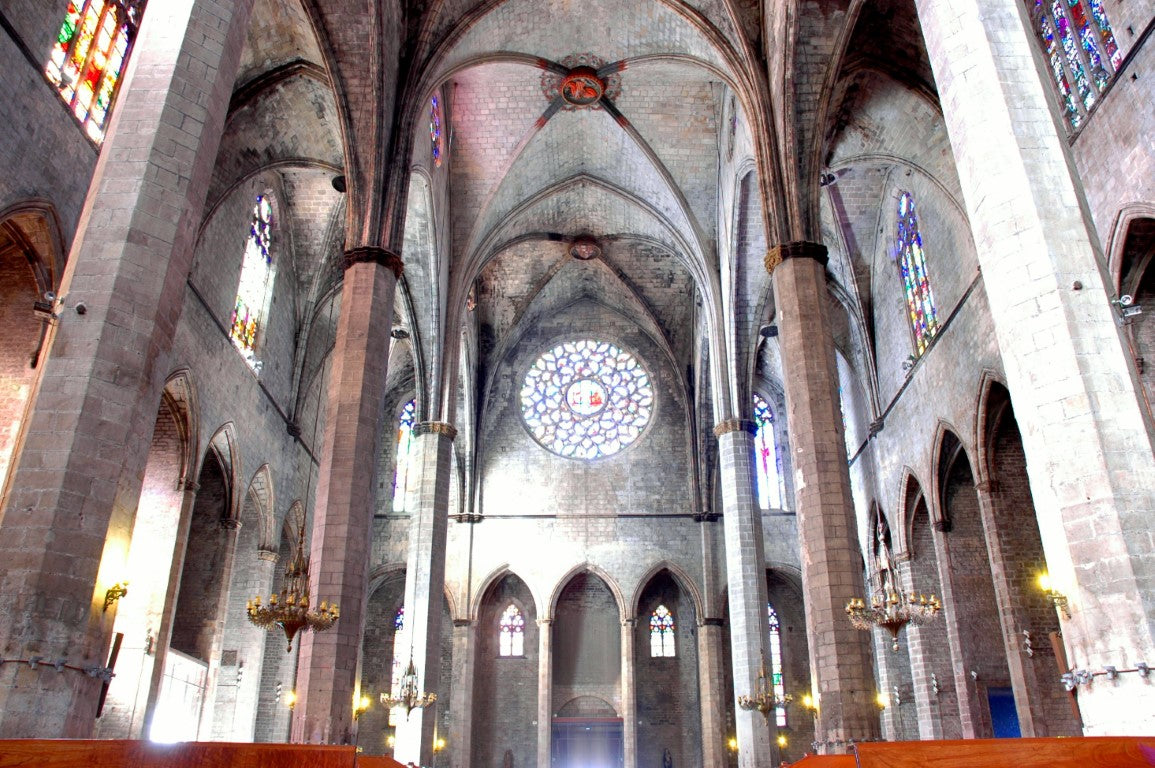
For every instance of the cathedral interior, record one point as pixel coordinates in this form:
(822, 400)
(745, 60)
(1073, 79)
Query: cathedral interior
(639, 383)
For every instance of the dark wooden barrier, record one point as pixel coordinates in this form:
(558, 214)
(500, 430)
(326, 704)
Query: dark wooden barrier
(826, 761)
(1088, 752)
(52, 753)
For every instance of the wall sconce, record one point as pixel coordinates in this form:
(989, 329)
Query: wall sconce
(390, 740)
(1056, 597)
(732, 744)
(882, 700)
(114, 593)
(359, 706)
(810, 704)
(782, 740)
(291, 699)
(438, 744)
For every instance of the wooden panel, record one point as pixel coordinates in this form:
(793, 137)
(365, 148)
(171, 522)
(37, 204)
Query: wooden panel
(45, 753)
(1105, 752)
(365, 761)
(826, 761)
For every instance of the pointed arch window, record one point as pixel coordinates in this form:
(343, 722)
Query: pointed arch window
(1079, 45)
(769, 475)
(404, 476)
(915, 280)
(511, 633)
(776, 663)
(89, 55)
(662, 633)
(437, 143)
(255, 284)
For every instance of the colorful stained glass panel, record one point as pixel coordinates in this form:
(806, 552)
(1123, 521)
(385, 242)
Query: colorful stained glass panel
(662, 633)
(916, 283)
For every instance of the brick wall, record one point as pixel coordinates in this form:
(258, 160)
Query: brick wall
(20, 341)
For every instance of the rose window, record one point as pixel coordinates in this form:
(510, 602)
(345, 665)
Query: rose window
(586, 399)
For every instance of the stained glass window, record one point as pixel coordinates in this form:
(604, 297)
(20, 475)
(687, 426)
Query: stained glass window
(89, 55)
(435, 138)
(586, 399)
(403, 477)
(769, 475)
(256, 273)
(399, 619)
(776, 663)
(916, 283)
(511, 633)
(662, 632)
(1081, 50)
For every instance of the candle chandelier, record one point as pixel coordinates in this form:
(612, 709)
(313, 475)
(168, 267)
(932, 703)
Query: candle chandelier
(764, 698)
(892, 612)
(408, 693)
(290, 609)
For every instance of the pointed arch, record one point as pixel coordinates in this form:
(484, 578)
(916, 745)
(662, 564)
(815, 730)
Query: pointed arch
(486, 584)
(910, 493)
(262, 493)
(624, 612)
(226, 446)
(948, 448)
(681, 578)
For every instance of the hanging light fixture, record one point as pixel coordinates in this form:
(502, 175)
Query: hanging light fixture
(764, 699)
(892, 612)
(289, 609)
(408, 694)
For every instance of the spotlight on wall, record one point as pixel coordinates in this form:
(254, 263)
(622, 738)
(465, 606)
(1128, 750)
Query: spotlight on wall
(359, 706)
(1057, 598)
(438, 744)
(114, 593)
(291, 699)
(882, 700)
(732, 744)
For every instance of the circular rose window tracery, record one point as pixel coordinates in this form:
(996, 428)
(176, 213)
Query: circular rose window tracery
(586, 399)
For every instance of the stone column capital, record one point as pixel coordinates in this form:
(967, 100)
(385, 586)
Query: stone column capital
(544, 622)
(463, 622)
(711, 622)
(375, 255)
(734, 425)
(435, 427)
(270, 555)
(799, 249)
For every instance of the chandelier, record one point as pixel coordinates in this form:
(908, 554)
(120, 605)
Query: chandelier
(289, 610)
(408, 694)
(892, 612)
(764, 698)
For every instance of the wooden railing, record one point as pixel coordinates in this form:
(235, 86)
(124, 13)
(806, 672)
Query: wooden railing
(52, 753)
(1092, 752)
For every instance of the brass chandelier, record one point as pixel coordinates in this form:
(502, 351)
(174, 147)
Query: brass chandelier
(290, 610)
(892, 612)
(764, 698)
(408, 694)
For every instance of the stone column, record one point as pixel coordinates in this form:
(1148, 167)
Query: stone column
(343, 515)
(425, 584)
(629, 695)
(746, 586)
(840, 659)
(68, 520)
(461, 703)
(544, 692)
(921, 662)
(1076, 392)
(711, 683)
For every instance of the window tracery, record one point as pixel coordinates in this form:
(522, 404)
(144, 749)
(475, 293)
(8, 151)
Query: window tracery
(586, 399)
(511, 633)
(1081, 51)
(916, 283)
(776, 664)
(88, 58)
(769, 474)
(662, 633)
(253, 289)
(403, 475)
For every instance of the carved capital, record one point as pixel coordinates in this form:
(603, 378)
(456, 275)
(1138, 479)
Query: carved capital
(706, 517)
(230, 523)
(269, 555)
(799, 249)
(470, 517)
(374, 255)
(435, 428)
(463, 622)
(734, 425)
(711, 622)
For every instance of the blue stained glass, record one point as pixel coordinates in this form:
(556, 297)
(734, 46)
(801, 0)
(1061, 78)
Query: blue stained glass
(776, 663)
(403, 477)
(915, 280)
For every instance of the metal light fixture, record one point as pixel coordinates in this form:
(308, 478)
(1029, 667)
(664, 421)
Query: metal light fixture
(892, 612)
(114, 593)
(408, 694)
(1057, 598)
(764, 698)
(290, 610)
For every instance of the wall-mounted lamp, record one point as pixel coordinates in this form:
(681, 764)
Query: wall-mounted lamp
(359, 706)
(1056, 597)
(810, 704)
(291, 699)
(781, 740)
(114, 593)
(438, 744)
(732, 744)
(390, 740)
(882, 700)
